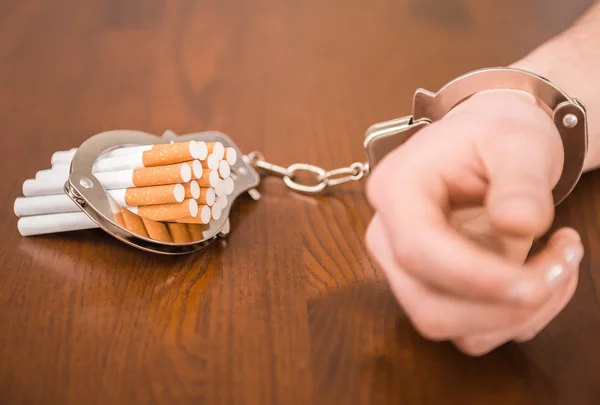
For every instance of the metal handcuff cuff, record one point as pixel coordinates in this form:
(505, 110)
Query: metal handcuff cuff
(568, 114)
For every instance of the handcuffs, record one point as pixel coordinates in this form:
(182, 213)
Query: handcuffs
(568, 114)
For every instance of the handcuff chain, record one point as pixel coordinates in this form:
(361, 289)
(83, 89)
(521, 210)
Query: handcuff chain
(354, 172)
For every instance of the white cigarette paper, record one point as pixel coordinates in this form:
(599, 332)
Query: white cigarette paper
(159, 154)
(62, 157)
(55, 204)
(54, 223)
(109, 180)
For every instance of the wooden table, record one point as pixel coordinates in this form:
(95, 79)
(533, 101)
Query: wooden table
(290, 310)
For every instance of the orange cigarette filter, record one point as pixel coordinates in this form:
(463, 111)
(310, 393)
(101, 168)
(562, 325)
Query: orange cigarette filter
(157, 230)
(179, 233)
(161, 175)
(192, 189)
(153, 195)
(207, 196)
(168, 154)
(133, 223)
(210, 178)
(203, 217)
(119, 219)
(169, 212)
(195, 230)
(216, 148)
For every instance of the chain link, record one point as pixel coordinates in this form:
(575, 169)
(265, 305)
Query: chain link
(323, 178)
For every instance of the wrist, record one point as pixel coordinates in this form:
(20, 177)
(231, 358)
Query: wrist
(562, 63)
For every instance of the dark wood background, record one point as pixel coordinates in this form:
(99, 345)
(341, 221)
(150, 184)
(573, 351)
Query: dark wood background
(290, 310)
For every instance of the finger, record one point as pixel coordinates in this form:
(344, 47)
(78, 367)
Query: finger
(562, 266)
(541, 320)
(412, 204)
(479, 345)
(435, 315)
(523, 164)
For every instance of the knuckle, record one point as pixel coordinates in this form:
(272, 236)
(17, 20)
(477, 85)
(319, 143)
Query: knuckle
(406, 250)
(430, 324)
(526, 336)
(473, 347)
(372, 239)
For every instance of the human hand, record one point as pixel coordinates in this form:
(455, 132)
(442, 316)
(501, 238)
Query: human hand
(457, 209)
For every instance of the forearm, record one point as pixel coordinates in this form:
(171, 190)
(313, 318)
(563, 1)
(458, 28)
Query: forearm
(572, 61)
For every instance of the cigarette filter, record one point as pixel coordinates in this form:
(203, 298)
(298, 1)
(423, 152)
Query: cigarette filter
(168, 212)
(217, 149)
(229, 185)
(210, 178)
(207, 196)
(192, 190)
(231, 156)
(196, 231)
(203, 217)
(211, 162)
(179, 232)
(157, 230)
(224, 169)
(134, 223)
(215, 211)
(145, 177)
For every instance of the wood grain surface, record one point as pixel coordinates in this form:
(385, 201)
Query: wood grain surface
(290, 309)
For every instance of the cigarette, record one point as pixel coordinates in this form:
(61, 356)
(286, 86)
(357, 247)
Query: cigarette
(192, 190)
(222, 202)
(196, 231)
(62, 157)
(132, 197)
(215, 211)
(55, 204)
(168, 212)
(167, 154)
(217, 149)
(54, 223)
(210, 178)
(207, 196)
(231, 156)
(49, 204)
(141, 156)
(219, 188)
(179, 232)
(133, 223)
(145, 177)
(229, 185)
(203, 217)
(224, 169)
(49, 173)
(211, 162)
(197, 169)
(157, 230)
(155, 176)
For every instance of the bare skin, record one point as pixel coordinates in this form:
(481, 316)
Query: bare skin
(481, 182)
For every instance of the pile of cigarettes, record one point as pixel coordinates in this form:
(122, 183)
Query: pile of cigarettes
(167, 192)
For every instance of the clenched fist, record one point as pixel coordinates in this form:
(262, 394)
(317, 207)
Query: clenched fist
(457, 209)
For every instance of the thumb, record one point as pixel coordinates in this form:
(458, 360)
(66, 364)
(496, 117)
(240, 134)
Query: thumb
(522, 172)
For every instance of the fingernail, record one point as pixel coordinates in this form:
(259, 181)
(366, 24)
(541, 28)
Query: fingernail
(573, 255)
(555, 275)
(524, 291)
